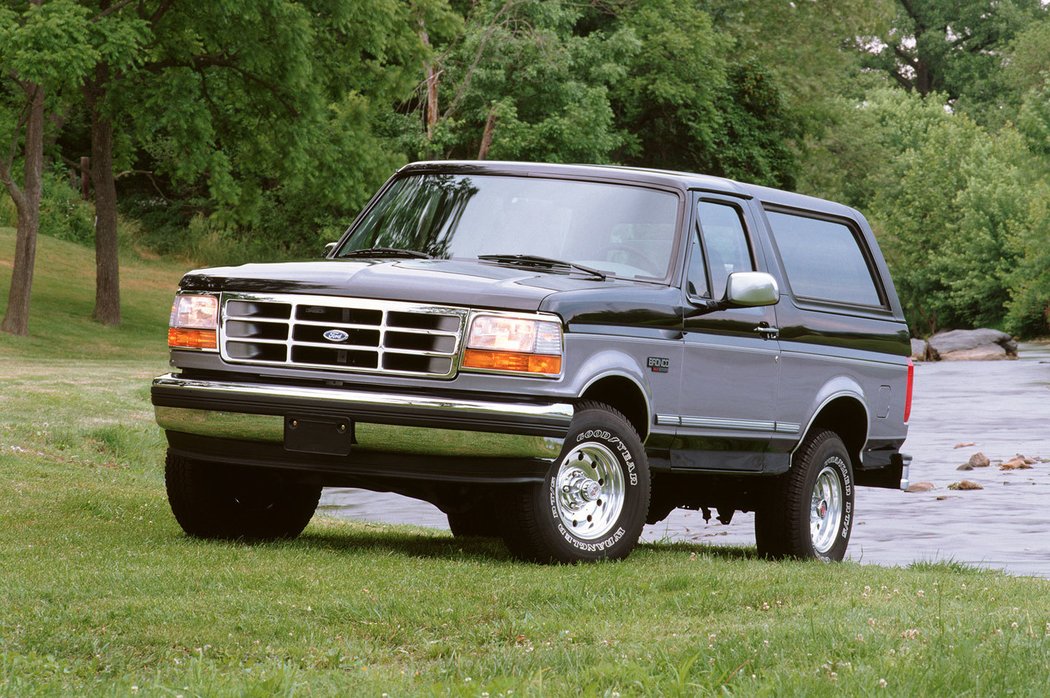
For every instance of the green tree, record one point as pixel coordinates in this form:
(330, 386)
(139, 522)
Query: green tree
(245, 109)
(951, 47)
(1028, 310)
(1026, 82)
(648, 83)
(44, 52)
(369, 59)
(669, 100)
(810, 47)
(178, 76)
(519, 83)
(856, 156)
(119, 37)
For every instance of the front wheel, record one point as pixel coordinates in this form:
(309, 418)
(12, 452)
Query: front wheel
(809, 515)
(594, 499)
(213, 500)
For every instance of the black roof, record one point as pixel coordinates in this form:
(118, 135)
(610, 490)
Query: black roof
(637, 175)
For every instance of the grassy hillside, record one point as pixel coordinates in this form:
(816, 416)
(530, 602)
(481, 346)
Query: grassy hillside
(60, 324)
(102, 594)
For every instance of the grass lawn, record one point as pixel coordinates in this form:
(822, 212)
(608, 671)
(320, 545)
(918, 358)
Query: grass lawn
(63, 297)
(102, 594)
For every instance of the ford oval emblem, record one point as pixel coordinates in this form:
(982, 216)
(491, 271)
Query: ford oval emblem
(336, 336)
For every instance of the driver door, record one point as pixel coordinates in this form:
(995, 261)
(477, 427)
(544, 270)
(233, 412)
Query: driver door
(732, 356)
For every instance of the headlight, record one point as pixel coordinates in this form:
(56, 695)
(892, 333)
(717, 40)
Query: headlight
(513, 344)
(194, 321)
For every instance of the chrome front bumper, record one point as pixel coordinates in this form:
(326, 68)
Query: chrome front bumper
(391, 423)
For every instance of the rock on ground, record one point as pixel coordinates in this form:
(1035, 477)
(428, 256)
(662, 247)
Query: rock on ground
(920, 351)
(1018, 462)
(979, 460)
(972, 345)
(965, 485)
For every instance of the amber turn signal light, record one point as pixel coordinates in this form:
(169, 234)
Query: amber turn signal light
(182, 338)
(517, 362)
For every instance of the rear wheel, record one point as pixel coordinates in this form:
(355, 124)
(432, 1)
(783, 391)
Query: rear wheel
(809, 514)
(593, 502)
(213, 500)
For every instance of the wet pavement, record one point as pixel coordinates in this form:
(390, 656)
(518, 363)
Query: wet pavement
(1001, 407)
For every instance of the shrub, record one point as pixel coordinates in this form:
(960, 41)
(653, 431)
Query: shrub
(8, 213)
(63, 214)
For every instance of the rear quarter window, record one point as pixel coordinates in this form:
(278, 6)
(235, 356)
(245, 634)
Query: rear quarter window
(824, 260)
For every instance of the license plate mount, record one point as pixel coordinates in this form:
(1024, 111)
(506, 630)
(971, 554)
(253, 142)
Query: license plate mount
(329, 436)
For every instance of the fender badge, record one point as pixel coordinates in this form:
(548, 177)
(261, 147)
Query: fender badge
(658, 364)
(336, 336)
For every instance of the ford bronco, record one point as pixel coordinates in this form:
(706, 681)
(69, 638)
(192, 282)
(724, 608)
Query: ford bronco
(550, 354)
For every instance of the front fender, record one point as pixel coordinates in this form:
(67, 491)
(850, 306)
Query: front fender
(594, 358)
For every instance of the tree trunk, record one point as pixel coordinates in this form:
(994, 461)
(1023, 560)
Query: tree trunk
(85, 178)
(923, 77)
(432, 85)
(27, 202)
(107, 262)
(486, 135)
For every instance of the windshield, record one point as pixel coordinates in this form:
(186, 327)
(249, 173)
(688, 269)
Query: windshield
(621, 230)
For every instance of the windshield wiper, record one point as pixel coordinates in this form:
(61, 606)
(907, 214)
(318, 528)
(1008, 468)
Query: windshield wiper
(531, 260)
(386, 252)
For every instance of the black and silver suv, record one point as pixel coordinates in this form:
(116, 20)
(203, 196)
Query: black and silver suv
(552, 354)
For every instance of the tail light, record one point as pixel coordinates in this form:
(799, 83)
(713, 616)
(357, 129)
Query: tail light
(908, 392)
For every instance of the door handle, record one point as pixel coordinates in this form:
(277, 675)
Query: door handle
(768, 332)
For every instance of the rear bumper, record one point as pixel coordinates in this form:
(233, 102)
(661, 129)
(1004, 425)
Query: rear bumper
(392, 433)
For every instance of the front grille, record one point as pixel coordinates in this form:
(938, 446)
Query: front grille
(341, 334)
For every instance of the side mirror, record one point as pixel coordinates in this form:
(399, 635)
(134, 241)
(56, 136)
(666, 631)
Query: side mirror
(751, 288)
(328, 248)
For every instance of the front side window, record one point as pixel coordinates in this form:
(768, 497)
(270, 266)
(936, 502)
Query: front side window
(622, 230)
(726, 246)
(823, 260)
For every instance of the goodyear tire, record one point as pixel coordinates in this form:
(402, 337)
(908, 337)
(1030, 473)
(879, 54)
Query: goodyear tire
(810, 513)
(212, 500)
(594, 499)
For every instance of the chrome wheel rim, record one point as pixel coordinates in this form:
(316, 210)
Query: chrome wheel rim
(825, 513)
(589, 491)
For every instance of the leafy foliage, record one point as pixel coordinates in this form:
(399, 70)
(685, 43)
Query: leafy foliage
(63, 213)
(259, 128)
(540, 89)
(50, 45)
(949, 46)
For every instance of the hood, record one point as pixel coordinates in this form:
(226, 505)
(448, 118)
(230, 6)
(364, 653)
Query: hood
(440, 281)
